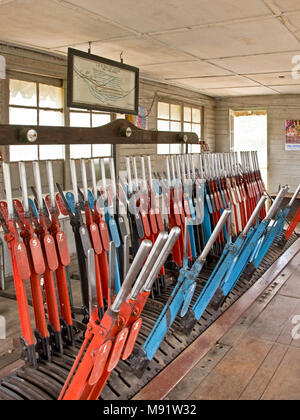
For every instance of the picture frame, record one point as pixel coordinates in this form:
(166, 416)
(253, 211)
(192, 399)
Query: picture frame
(97, 83)
(292, 135)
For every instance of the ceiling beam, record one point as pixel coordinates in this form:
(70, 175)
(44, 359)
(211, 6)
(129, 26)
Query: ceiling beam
(282, 18)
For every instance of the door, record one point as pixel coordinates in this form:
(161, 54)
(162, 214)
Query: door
(249, 131)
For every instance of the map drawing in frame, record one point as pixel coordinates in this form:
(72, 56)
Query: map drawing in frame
(97, 83)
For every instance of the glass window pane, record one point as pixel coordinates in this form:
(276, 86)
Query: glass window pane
(78, 119)
(51, 152)
(22, 93)
(187, 114)
(26, 152)
(163, 149)
(100, 119)
(20, 116)
(51, 118)
(175, 149)
(51, 96)
(120, 116)
(187, 127)
(194, 148)
(163, 125)
(176, 112)
(101, 150)
(264, 174)
(78, 151)
(196, 115)
(175, 126)
(196, 128)
(163, 110)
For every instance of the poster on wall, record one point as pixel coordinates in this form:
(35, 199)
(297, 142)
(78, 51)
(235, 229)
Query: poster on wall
(292, 139)
(141, 120)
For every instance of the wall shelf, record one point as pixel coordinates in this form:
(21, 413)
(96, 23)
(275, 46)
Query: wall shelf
(117, 132)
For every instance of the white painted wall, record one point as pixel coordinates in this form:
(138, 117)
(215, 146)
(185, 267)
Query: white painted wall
(284, 167)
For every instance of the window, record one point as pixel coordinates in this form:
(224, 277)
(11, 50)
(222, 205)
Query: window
(180, 118)
(82, 118)
(168, 119)
(120, 116)
(192, 124)
(36, 103)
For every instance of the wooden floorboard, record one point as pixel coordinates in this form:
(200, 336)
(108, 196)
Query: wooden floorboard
(261, 358)
(261, 293)
(234, 372)
(285, 384)
(258, 384)
(201, 371)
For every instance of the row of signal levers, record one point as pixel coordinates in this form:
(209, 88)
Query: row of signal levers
(201, 206)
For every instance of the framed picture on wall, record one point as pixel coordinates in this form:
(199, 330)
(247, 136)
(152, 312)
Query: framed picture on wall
(96, 83)
(292, 133)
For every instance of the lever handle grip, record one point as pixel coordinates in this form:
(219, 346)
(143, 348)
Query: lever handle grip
(50, 177)
(173, 236)
(254, 214)
(150, 172)
(294, 196)
(23, 182)
(84, 180)
(38, 184)
(74, 180)
(135, 172)
(214, 235)
(275, 206)
(92, 280)
(129, 174)
(8, 189)
(135, 268)
(112, 270)
(151, 261)
(186, 240)
(113, 175)
(94, 180)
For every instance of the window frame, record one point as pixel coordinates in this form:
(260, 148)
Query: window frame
(90, 113)
(37, 80)
(66, 111)
(182, 104)
(38, 108)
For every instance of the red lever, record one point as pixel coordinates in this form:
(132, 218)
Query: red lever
(22, 260)
(48, 203)
(51, 254)
(19, 209)
(134, 332)
(61, 205)
(104, 235)
(100, 362)
(63, 249)
(37, 256)
(4, 210)
(95, 237)
(117, 349)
